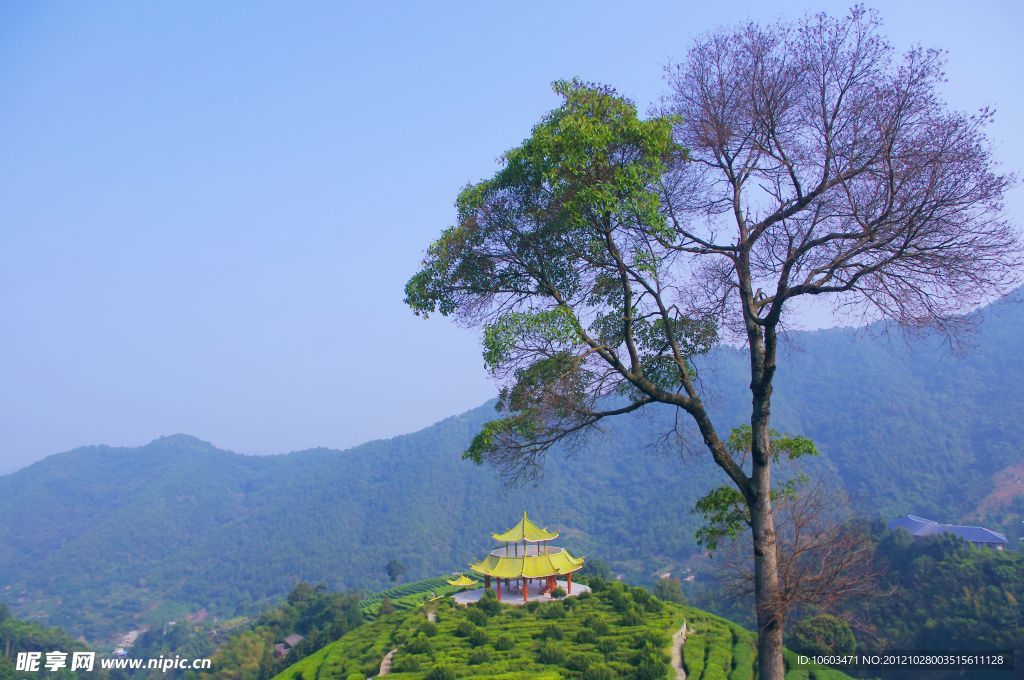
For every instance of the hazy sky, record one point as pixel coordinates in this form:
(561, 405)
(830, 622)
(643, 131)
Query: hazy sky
(208, 211)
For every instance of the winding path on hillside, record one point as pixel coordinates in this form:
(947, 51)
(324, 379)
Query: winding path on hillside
(678, 640)
(385, 664)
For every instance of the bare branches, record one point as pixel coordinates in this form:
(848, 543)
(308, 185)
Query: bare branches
(840, 171)
(825, 559)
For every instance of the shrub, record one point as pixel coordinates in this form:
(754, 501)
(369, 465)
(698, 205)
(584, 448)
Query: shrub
(652, 668)
(620, 600)
(654, 605)
(640, 596)
(551, 632)
(823, 634)
(742, 660)
(586, 636)
(504, 643)
(440, 673)
(386, 607)
(406, 664)
(650, 639)
(599, 672)
(477, 616)
(607, 646)
(419, 645)
(596, 624)
(479, 656)
(429, 629)
(532, 606)
(551, 653)
(464, 629)
(488, 604)
(632, 617)
(558, 593)
(478, 638)
(552, 610)
(693, 656)
(719, 656)
(577, 662)
(718, 673)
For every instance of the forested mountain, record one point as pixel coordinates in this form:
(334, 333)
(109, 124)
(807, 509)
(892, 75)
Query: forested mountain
(99, 538)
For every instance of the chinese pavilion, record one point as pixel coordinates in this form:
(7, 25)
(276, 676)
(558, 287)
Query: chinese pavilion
(527, 555)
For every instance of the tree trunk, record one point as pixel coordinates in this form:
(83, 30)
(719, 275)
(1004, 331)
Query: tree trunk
(766, 579)
(766, 557)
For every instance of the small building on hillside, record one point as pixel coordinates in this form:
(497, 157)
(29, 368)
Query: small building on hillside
(978, 536)
(281, 649)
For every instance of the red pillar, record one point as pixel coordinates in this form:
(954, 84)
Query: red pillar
(499, 590)
(526, 589)
(569, 582)
(487, 582)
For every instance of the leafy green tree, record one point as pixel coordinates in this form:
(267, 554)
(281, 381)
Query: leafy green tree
(724, 509)
(395, 570)
(598, 568)
(386, 607)
(790, 161)
(670, 590)
(823, 634)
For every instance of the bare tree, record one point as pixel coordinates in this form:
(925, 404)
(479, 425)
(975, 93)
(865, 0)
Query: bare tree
(819, 165)
(826, 559)
(789, 161)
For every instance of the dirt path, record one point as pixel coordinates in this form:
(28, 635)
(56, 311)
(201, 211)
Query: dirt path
(385, 664)
(677, 652)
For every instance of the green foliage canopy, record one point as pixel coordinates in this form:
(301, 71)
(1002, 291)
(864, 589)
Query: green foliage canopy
(823, 634)
(724, 510)
(565, 258)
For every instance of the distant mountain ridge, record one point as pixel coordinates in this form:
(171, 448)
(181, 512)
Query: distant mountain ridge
(99, 538)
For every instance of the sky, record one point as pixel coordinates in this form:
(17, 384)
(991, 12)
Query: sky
(208, 211)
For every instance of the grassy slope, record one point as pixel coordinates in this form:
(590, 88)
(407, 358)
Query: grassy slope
(408, 595)
(621, 631)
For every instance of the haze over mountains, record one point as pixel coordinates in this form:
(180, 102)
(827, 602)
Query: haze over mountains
(99, 538)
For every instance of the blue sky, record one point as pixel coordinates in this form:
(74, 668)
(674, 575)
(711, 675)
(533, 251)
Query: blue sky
(208, 210)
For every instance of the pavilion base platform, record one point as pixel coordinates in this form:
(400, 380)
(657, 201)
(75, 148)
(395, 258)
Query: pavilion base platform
(513, 594)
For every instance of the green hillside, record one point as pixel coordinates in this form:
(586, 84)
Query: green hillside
(616, 632)
(102, 539)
